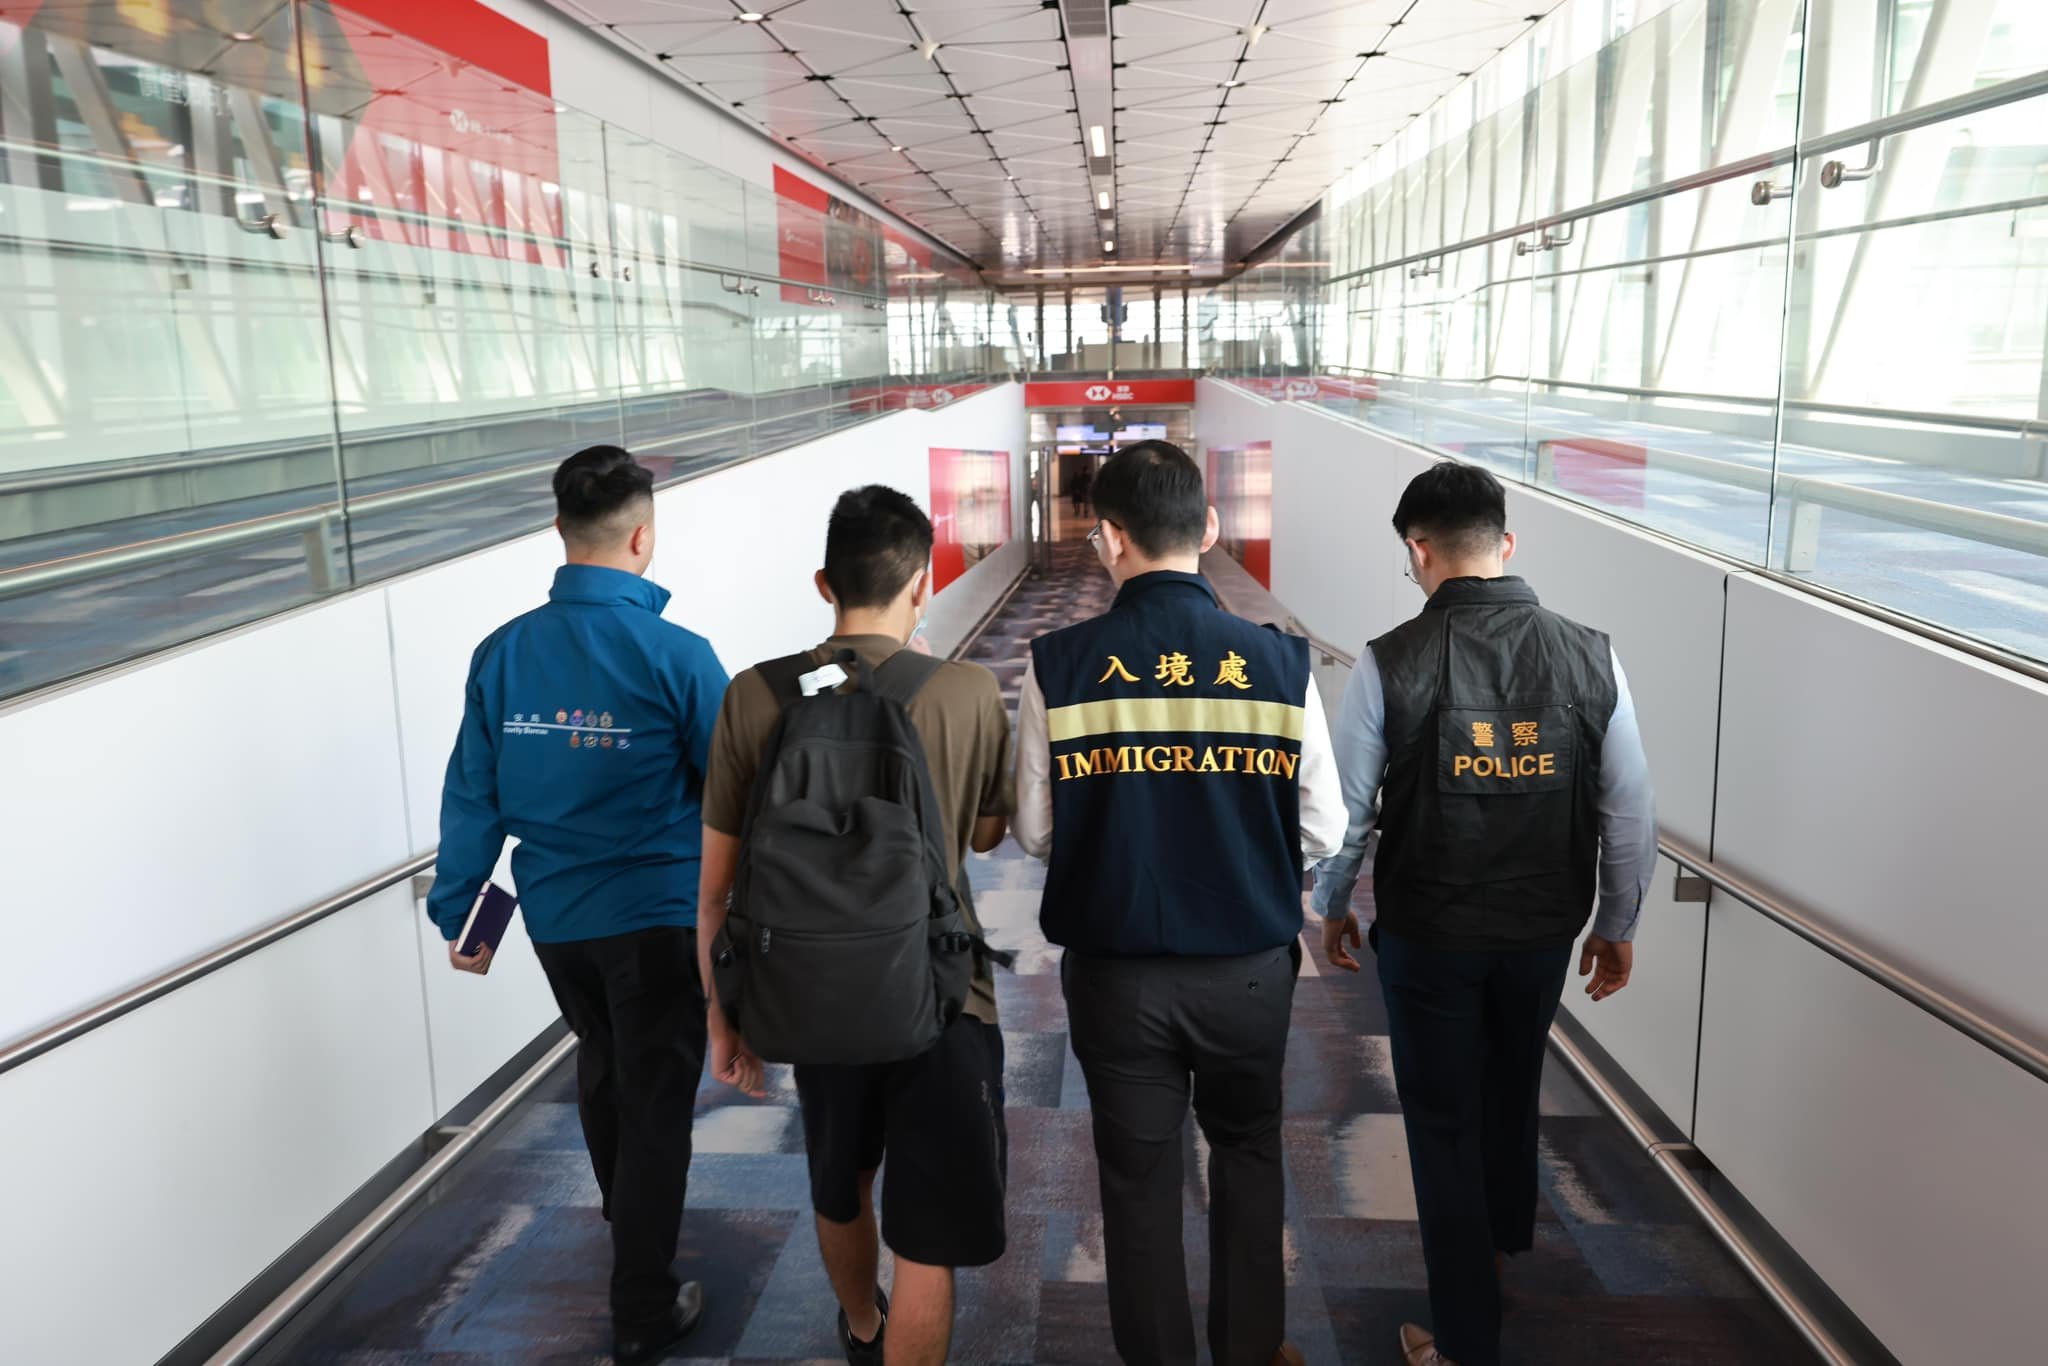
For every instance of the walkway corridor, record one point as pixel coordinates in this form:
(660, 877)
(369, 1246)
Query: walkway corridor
(509, 1265)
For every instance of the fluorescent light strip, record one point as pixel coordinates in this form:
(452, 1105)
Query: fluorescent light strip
(1159, 269)
(1097, 141)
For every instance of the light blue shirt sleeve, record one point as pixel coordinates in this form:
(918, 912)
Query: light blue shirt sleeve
(1360, 742)
(1628, 820)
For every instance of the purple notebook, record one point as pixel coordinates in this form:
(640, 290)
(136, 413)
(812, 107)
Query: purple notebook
(488, 919)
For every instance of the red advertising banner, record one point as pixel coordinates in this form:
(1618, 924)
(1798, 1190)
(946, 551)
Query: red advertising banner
(457, 146)
(1241, 491)
(1085, 393)
(829, 245)
(1609, 472)
(970, 509)
(1302, 388)
(890, 398)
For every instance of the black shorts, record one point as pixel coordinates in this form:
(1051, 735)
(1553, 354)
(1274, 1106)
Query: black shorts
(938, 1118)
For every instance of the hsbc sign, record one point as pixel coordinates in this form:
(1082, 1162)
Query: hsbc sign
(1084, 393)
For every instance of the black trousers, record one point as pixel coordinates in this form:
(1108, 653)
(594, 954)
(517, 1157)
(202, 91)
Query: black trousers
(636, 1003)
(1148, 1032)
(1468, 1030)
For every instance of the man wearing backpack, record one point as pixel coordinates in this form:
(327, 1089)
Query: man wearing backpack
(846, 786)
(1175, 764)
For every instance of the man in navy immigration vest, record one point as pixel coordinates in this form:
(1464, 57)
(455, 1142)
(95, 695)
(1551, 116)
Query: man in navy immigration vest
(1175, 765)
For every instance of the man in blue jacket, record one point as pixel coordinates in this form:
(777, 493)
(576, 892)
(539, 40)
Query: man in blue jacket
(585, 736)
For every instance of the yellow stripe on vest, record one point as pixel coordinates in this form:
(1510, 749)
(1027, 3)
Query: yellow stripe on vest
(1153, 715)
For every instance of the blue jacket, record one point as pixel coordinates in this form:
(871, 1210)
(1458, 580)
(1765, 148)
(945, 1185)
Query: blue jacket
(586, 735)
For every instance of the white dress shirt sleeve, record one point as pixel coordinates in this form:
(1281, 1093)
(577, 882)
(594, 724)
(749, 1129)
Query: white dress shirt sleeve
(1360, 744)
(1323, 818)
(1032, 825)
(1628, 820)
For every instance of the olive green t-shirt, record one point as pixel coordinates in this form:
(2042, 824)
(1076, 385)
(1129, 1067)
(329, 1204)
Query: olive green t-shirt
(959, 714)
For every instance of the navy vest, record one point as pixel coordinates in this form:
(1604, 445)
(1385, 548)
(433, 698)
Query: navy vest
(1490, 814)
(1176, 752)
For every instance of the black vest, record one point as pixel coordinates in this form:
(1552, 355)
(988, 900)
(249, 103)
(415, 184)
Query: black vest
(1496, 710)
(1176, 752)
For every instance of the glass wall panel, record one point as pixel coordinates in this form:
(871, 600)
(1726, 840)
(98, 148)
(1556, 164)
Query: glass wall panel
(269, 330)
(1768, 276)
(1912, 457)
(167, 465)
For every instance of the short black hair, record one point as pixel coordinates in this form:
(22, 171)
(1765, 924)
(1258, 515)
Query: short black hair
(876, 542)
(1462, 507)
(601, 493)
(1154, 493)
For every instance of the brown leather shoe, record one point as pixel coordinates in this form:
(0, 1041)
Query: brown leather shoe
(1418, 1347)
(1289, 1355)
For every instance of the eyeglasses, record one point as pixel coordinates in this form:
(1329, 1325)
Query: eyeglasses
(1095, 536)
(1408, 561)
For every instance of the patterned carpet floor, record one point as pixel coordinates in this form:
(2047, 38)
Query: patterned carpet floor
(509, 1264)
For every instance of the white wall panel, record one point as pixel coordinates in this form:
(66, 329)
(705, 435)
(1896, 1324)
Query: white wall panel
(165, 1159)
(437, 619)
(739, 546)
(1652, 1027)
(162, 811)
(475, 1024)
(1902, 1160)
(1891, 787)
(1663, 607)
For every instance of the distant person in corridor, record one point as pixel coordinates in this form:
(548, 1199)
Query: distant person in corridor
(1515, 795)
(586, 735)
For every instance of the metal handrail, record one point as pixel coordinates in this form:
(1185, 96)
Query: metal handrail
(1969, 102)
(1972, 524)
(1939, 1004)
(114, 1007)
(94, 564)
(294, 1298)
(1947, 1009)
(1669, 1159)
(259, 1330)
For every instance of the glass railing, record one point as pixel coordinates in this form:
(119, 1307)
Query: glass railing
(1769, 278)
(275, 327)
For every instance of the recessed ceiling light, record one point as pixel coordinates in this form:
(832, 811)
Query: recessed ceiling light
(752, 16)
(1102, 201)
(241, 37)
(1108, 245)
(895, 146)
(1232, 85)
(1097, 140)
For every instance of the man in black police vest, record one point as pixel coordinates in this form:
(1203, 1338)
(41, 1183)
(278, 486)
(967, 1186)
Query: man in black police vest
(1174, 761)
(1514, 794)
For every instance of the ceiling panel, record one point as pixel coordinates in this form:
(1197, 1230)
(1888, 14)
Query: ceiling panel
(1223, 130)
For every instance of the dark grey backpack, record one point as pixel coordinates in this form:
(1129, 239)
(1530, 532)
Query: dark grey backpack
(845, 941)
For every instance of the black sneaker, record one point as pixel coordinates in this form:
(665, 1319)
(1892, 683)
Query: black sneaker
(860, 1353)
(658, 1339)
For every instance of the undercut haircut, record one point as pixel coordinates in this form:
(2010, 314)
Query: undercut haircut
(601, 494)
(1460, 508)
(875, 544)
(1154, 493)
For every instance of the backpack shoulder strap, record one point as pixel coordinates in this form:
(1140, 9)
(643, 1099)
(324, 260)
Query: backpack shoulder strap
(904, 674)
(782, 674)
